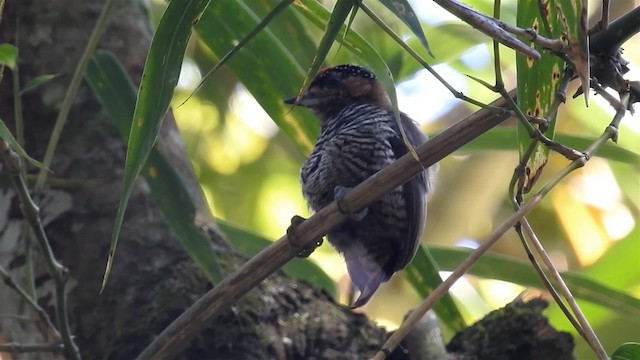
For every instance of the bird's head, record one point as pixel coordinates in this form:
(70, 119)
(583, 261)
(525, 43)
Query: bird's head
(336, 87)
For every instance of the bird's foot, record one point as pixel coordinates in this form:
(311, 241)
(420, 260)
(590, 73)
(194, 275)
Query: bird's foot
(291, 236)
(338, 194)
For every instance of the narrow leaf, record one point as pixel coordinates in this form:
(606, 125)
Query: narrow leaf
(500, 267)
(160, 76)
(256, 30)
(37, 82)
(270, 79)
(111, 84)
(338, 16)
(538, 82)
(499, 139)
(403, 10)
(627, 351)
(6, 135)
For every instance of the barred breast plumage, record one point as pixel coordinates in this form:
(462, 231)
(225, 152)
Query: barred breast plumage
(360, 136)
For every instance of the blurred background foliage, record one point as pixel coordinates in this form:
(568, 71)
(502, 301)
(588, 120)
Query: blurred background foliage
(248, 166)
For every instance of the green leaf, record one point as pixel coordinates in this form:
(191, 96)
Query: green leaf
(160, 76)
(572, 21)
(500, 267)
(622, 252)
(8, 55)
(403, 10)
(270, 79)
(424, 276)
(538, 83)
(627, 351)
(250, 244)
(272, 15)
(112, 86)
(37, 82)
(6, 135)
(115, 90)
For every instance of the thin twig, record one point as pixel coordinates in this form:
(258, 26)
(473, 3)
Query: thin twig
(487, 25)
(46, 325)
(555, 45)
(457, 94)
(521, 166)
(59, 274)
(17, 98)
(518, 182)
(535, 133)
(585, 330)
(223, 295)
(428, 303)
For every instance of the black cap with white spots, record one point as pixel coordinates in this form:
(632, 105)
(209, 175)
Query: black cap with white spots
(340, 72)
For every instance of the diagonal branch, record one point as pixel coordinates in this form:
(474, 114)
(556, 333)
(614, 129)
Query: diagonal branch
(489, 26)
(428, 303)
(223, 295)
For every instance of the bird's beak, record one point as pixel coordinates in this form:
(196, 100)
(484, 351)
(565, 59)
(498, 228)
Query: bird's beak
(307, 100)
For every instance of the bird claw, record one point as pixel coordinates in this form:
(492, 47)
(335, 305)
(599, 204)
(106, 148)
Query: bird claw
(338, 193)
(306, 251)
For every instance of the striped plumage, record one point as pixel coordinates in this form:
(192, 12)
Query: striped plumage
(360, 136)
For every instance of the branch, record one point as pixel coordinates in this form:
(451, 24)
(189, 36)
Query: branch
(487, 25)
(428, 303)
(59, 274)
(178, 334)
(50, 329)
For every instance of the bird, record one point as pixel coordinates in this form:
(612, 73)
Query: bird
(359, 136)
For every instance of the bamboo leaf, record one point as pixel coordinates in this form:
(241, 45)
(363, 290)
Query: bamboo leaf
(6, 135)
(538, 80)
(37, 82)
(336, 21)
(627, 351)
(403, 10)
(501, 139)
(160, 76)
(270, 79)
(112, 86)
(492, 266)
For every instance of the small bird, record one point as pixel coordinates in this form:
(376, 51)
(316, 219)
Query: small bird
(359, 136)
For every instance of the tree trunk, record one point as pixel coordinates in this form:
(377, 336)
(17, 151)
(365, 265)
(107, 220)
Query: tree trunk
(153, 279)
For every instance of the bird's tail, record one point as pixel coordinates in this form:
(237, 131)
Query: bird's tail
(366, 274)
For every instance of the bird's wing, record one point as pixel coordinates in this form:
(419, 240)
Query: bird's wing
(415, 192)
